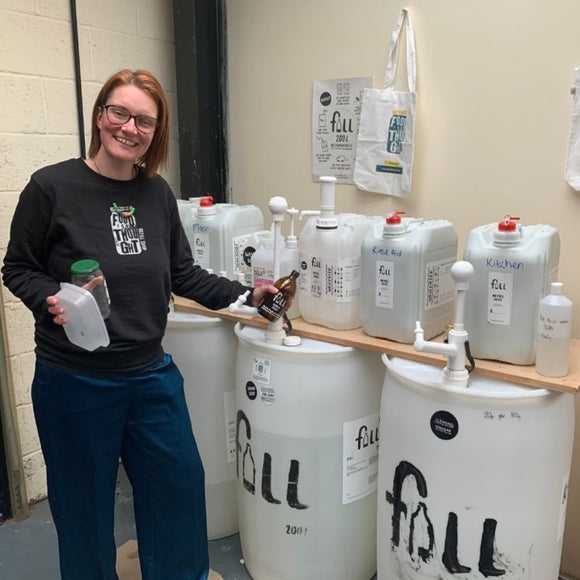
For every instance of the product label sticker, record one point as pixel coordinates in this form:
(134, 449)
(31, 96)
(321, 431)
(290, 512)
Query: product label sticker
(439, 286)
(384, 284)
(499, 298)
(240, 252)
(200, 249)
(309, 281)
(267, 394)
(230, 425)
(261, 369)
(444, 425)
(360, 452)
(332, 279)
(251, 390)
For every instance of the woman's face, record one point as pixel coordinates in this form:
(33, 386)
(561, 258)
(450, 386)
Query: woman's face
(125, 142)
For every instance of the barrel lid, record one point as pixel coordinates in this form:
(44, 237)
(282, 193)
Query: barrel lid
(181, 319)
(426, 376)
(83, 267)
(255, 337)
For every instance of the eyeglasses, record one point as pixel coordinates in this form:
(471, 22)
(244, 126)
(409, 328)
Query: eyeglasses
(119, 116)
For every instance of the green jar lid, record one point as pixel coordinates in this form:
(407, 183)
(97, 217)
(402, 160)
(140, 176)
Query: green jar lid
(83, 267)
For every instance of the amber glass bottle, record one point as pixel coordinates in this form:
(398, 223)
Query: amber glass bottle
(274, 305)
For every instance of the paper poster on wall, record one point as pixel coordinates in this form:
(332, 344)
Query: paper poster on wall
(336, 107)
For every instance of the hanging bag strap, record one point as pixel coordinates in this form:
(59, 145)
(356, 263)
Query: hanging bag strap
(392, 61)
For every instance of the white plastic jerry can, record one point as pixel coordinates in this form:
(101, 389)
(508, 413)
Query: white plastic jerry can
(514, 266)
(221, 235)
(406, 277)
(330, 260)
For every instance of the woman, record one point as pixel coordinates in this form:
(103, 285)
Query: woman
(125, 400)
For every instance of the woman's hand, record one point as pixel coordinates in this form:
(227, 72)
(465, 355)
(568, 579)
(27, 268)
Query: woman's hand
(58, 311)
(260, 292)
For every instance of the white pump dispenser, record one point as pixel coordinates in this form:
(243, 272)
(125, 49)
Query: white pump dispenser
(455, 372)
(291, 238)
(327, 219)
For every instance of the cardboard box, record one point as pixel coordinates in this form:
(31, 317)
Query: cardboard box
(128, 563)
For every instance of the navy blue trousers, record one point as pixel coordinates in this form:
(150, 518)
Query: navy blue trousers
(85, 424)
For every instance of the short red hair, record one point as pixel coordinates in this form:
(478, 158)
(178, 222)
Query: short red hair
(156, 155)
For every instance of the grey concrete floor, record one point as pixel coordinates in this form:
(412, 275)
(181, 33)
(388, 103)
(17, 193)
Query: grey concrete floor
(28, 549)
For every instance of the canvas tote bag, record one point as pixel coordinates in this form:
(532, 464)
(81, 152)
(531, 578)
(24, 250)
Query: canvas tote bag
(384, 155)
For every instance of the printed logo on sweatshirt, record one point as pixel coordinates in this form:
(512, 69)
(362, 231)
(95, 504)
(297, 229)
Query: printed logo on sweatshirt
(129, 238)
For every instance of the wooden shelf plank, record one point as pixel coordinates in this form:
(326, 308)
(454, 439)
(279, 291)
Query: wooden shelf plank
(524, 375)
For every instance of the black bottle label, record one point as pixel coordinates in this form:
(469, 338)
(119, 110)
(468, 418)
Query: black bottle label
(273, 306)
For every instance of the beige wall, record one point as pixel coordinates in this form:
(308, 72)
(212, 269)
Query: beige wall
(492, 130)
(38, 126)
(494, 113)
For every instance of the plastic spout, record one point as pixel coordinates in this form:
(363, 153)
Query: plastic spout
(274, 333)
(327, 219)
(278, 207)
(291, 238)
(240, 307)
(455, 372)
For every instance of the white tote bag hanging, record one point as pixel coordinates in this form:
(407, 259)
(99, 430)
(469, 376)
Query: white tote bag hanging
(384, 156)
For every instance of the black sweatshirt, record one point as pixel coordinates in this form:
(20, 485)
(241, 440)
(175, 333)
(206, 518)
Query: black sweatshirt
(68, 212)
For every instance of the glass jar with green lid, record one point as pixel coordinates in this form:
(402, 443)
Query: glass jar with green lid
(82, 272)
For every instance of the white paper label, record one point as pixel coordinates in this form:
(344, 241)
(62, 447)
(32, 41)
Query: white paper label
(201, 249)
(439, 286)
(261, 368)
(336, 108)
(499, 298)
(240, 262)
(267, 394)
(360, 452)
(230, 424)
(332, 279)
(384, 284)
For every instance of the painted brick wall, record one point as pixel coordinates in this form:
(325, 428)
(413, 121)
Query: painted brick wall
(38, 126)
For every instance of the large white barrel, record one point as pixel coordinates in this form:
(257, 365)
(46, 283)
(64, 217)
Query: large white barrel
(204, 349)
(473, 481)
(307, 427)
